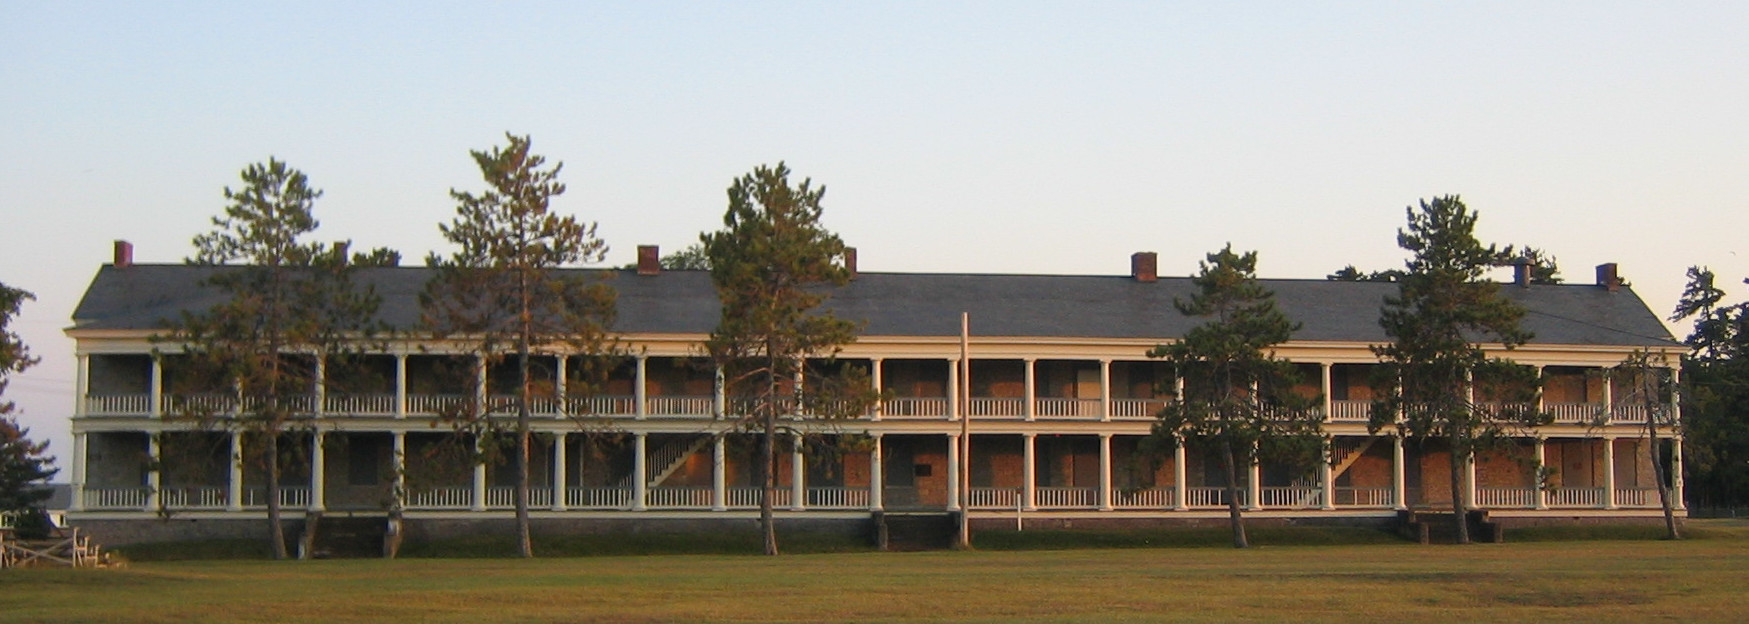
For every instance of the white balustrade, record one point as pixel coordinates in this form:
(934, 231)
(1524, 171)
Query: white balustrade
(1065, 497)
(915, 407)
(991, 407)
(838, 497)
(1350, 411)
(1574, 413)
(993, 498)
(504, 496)
(193, 497)
(1363, 496)
(1629, 414)
(601, 406)
(456, 497)
(118, 404)
(1575, 497)
(598, 497)
(290, 497)
(1146, 498)
(436, 404)
(1211, 497)
(1292, 496)
(682, 405)
(1057, 407)
(1637, 497)
(360, 404)
(748, 497)
(678, 497)
(1136, 409)
(1505, 497)
(116, 498)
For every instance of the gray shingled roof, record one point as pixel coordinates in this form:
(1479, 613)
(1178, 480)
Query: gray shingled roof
(928, 304)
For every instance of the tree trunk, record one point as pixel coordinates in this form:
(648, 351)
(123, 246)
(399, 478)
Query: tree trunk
(1235, 516)
(768, 464)
(275, 532)
(1460, 508)
(524, 543)
(1660, 474)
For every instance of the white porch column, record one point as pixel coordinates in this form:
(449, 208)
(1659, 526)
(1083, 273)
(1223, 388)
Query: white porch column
(1541, 401)
(1028, 472)
(953, 390)
(1609, 396)
(400, 385)
(1399, 482)
(874, 377)
(640, 394)
(719, 393)
(1180, 479)
(234, 487)
(1608, 470)
(79, 454)
(321, 386)
(318, 472)
(155, 402)
(953, 472)
(561, 461)
(1254, 486)
(719, 475)
(479, 480)
(1327, 482)
(640, 483)
(1104, 390)
(398, 456)
(1542, 462)
(798, 478)
(1031, 383)
(81, 383)
(1325, 386)
(154, 475)
(876, 481)
(1104, 472)
(1469, 492)
(1676, 475)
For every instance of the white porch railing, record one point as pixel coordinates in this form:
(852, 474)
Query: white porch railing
(454, 497)
(838, 497)
(1574, 413)
(992, 407)
(681, 497)
(116, 498)
(1056, 407)
(1066, 497)
(504, 496)
(748, 497)
(360, 404)
(993, 498)
(1575, 497)
(290, 497)
(598, 497)
(435, 403)
(1363, 497)
(118, 404)
(200, 404)
(1350, 411)
(1629, 414)
(193, 497)
(601, 406)
(681, 405)
(1211, 497)
(1505, 497)
(1136, 409)
(1637, 497)
(915, 407)
(1292, 496)
(1148, 498)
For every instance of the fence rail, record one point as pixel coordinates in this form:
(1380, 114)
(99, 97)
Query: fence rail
(1574, 413)
(1055, 407)
(1211, 497)
(456, 497)
(598, 497)
(194, 497)
(601, 406)
(1350, 411)
(1575, 497)
(838, 497)
(1065, 497)
(1292, 496)
(116, 498)
(1148, 498)
(993, 498)
(1136, 409)
(1363, 497)
(1505, 497)
(915, 407)
(990, 407)
(292, 497)
(126, 404)
(362, 404)
(748, 497)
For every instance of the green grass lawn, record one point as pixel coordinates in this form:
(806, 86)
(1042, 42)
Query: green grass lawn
(1550, 581)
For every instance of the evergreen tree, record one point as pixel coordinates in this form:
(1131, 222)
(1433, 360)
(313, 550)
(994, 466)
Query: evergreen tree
(773, 265)
(1715, 392)
(503, 295)
(1238, 397)
(1433, 366)
(287, 306)
(1644, 382)
(24, 467)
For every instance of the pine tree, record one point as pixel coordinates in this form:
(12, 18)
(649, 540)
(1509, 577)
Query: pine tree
(1715, 394)
(503, 295)
(24, 466)
(1433, 365)
(773, 264)
(288, 305)
(1238, 397)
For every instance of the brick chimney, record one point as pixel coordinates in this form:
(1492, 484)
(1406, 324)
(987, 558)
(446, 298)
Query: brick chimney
(1521, 272)
(124, 254)
(649, 259)
(1607, 277)
(850, 261)
(1145, 266)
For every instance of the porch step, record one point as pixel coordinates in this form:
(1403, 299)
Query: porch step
(915, 531)
(348, 537)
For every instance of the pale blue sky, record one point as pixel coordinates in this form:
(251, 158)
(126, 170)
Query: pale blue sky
(1000, 137)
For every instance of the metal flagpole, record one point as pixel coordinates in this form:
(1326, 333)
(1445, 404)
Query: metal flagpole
(965, 471)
